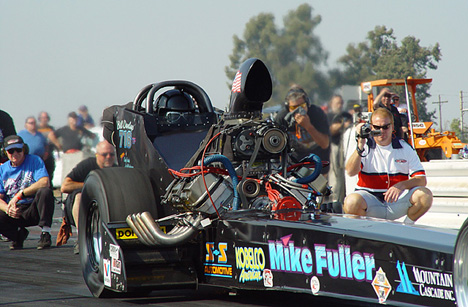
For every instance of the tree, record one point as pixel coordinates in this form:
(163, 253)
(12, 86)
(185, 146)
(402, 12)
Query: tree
(381, 57)
(455, 127)
(293, 54)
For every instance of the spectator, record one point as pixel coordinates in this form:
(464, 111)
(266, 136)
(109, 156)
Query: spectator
(36, 142)
(7, 128)
(25, 196)
(383, 100)
(84, 119)
(339, 121)
(391, 177)
(307, 126)
(73, 183)
(403, 116)
(45, 128)
(71, 135)
(396, 103)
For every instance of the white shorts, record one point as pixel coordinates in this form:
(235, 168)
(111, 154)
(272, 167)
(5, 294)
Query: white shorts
(384, 210)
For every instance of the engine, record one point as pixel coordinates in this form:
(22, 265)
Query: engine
(242, 164)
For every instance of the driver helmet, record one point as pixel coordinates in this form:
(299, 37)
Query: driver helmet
(174, 101)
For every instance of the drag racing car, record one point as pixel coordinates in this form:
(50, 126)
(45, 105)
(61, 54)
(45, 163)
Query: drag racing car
(202, 198)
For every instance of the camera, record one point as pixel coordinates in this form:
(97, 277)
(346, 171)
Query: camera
(299, 110)
(290, 116)
(367, 132)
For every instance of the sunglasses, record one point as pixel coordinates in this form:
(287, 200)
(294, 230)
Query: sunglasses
(107, 154)
(295, 107)
(13, 150)
(384, 127)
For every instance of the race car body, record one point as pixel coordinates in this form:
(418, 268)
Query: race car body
(204, 199)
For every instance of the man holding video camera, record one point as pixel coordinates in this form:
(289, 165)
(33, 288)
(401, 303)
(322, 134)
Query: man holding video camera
(392, 179)
(307, 126)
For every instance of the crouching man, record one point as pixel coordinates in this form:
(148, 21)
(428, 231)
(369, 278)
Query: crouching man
(73, 184)
(25, 196)
(392, 179)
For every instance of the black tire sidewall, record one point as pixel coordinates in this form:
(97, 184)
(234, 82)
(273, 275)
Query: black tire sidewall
(117, 192)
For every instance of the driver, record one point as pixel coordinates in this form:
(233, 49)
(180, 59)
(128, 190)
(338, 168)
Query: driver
(173, 104)
(307, 126)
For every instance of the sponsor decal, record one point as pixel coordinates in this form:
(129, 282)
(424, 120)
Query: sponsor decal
(405, 285)
(124, 125)
(314, 285)
(114, 251)
(267, 278)
(426, 283)
(107, 272)
(116, 266)
(420, 125)
(400, 161)
(337, 263)
(125, 234)
(218, 270)
(381, 285)
(366, 87)
(126, 140)
(285, 257)
(251, 262)
(236, 84)
(216, 260)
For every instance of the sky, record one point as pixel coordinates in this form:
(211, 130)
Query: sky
(56, 55)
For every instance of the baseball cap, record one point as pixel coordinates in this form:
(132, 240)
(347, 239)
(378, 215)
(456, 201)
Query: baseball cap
(13, 141)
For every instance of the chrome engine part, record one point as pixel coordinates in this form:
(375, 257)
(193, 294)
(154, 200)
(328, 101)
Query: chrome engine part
(191, 195)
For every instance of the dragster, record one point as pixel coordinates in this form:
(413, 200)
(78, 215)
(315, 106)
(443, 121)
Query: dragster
(203, 198)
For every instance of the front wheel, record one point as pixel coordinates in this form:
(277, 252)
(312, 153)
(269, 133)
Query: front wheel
(460, 269)
(109, 195)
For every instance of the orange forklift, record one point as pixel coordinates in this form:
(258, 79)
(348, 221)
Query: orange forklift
(428, 143)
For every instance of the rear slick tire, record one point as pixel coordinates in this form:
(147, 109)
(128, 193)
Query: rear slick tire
(109, 195)
(460, 269)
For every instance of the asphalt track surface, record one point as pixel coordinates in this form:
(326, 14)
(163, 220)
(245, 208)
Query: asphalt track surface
(52, 277)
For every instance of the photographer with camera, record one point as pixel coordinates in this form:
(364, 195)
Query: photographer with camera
(307, 126)
(392, 179)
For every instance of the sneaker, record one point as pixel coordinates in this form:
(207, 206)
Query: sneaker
(45, 241)
(4, 239)
(76, 248)
(22, 235)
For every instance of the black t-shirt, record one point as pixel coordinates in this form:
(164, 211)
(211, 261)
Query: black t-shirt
(71, 139)
(300, 139)
(7, 128)
(82, 169)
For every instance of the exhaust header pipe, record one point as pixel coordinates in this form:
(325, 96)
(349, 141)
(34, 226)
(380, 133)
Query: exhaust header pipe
(149, 232)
